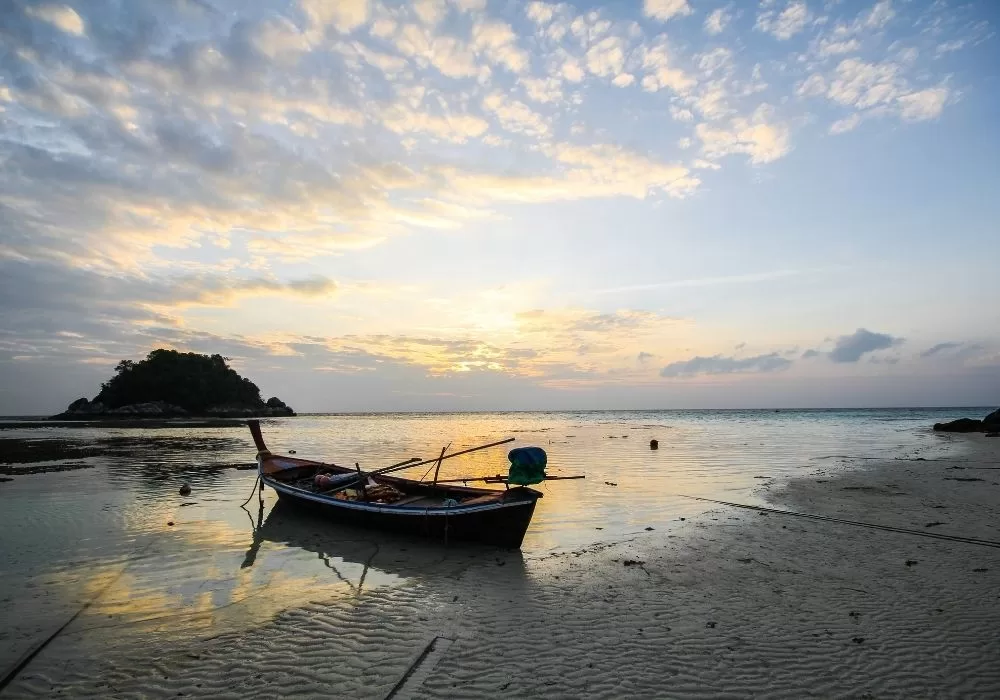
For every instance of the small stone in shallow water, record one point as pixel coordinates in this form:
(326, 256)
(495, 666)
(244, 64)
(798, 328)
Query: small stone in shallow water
(170, 523)
(654, 445)
(185, 489)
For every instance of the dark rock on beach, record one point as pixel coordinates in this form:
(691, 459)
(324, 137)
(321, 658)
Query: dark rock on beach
(962, 425)
(992, 421)
(989, 424)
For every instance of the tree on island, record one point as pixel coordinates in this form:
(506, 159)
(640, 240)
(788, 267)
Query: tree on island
(178, 383)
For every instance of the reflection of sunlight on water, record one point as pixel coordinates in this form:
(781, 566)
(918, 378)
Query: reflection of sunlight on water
(219, 565)
(196, 580)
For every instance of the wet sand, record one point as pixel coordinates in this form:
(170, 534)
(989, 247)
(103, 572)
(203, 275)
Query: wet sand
(730, 603)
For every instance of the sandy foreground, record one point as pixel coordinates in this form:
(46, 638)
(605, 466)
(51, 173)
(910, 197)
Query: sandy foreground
(731, 603)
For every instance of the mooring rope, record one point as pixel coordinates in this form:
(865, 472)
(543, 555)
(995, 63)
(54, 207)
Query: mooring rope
(15, 670)
(256, 481)
(856, 523)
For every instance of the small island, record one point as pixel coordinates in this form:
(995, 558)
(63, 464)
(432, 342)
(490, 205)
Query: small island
(171, 384)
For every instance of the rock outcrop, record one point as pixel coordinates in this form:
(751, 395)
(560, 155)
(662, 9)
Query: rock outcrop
(82, 408)
(962, 425)
(989, 424)
(992, 421)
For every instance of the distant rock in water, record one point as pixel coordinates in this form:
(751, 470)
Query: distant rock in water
(990, 423)
(171, 384)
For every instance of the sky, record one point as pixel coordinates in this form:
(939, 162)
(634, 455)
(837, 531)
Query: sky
(505, 205)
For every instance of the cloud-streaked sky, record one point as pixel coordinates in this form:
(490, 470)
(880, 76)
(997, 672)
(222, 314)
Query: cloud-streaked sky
(478, 204)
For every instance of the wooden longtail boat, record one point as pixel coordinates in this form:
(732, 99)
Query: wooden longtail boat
(440, 511)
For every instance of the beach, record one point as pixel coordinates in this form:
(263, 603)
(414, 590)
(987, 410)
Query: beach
(706, 600)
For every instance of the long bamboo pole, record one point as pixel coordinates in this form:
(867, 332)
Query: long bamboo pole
(453, 454)
(501, 479)
(405, 465)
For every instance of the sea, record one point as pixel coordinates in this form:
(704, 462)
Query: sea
(100, 524)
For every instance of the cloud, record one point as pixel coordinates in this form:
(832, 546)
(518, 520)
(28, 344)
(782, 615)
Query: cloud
(665, 9)
(457, 128)
(606, 57)
(717, 21)
(850, 348)
(762, 139)
(705, 164)
(785, 24)
(660, 71)
(680, 114)
(540, 12)
(600, 170)
(812, 86)
(430, 12)
(808, 354)
(453, 58)
(832, 47)
(717, 364)
(949, 46)
(880, 15)
(941, 347)
(545, 90)
(62, 17)
(572, 71)
(923, 105)
(860, 84)
(498, 41)
(846, 124)
(344, 15)
(514, 115)
(718, 59)
(876, 89)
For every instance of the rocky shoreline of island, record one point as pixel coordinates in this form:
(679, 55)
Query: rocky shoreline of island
(82, 409)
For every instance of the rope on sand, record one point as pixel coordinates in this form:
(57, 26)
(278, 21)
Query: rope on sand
(14, 671)
(856, 523)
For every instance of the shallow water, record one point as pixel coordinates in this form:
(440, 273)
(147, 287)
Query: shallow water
(103, 534)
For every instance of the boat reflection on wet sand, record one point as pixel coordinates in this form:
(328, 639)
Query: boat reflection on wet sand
(358, 556)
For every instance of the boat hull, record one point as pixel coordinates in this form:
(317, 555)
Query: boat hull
(501, 524)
